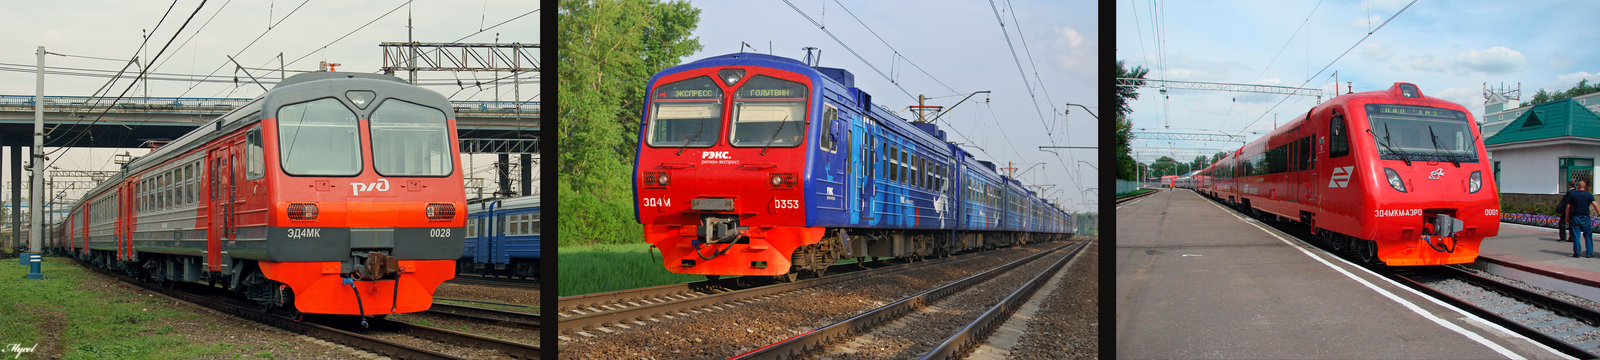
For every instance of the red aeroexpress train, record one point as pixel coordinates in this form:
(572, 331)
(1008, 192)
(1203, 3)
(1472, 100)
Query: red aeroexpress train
(1395, 176)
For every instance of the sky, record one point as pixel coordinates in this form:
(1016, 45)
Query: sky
(221, 28)
(960, 44)
(1450, 49)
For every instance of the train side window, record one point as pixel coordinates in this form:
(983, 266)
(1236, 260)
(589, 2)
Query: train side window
(905, 167)
(1306, 158)
(534, 218)
(526, 220)
(1338, 137)
(257, 162)
(500, 224)
(827, 140)
(472, 227)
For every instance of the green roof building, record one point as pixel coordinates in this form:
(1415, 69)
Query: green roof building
(1545, 146)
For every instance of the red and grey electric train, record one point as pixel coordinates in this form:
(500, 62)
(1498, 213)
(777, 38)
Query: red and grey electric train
(1395, 176)
(333, 193)
(752, 164)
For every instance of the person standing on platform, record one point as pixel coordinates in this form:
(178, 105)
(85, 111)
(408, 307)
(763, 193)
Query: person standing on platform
(1579, 204)
(1564, 227)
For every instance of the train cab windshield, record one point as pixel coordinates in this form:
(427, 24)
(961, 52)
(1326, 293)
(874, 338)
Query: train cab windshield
(768, 111)
(686, 113)
(318, 137)
(410, 140)
(1421, 133)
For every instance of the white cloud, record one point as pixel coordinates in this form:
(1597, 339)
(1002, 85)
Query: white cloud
(1367, 22)
(1493, 61)
(1073, 52)
(1070, 36)
(1377, 52)
(1468, 97)
(1428, 63)
(1566, 81)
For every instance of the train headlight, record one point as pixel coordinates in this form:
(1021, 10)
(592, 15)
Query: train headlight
(441, 211)
(1394, 179)
(302, 211)
(656, 179)
(1475, 183)
(730, 76)
(782, 181)
(776, 180)
(360, 97)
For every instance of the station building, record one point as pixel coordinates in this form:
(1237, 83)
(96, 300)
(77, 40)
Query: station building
(1536, 149)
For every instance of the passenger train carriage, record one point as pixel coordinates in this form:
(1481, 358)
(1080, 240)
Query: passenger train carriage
(753, 164)
(503, 238)
(1395, 176)
(333, 193)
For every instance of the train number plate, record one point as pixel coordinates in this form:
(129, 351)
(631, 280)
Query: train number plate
(786, 204)
(655, 202)
(711, 204)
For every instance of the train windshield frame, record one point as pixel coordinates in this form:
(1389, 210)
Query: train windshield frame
(685, 113)
(410, 139)
(1421, 133)
(310, 141)
(769, 112)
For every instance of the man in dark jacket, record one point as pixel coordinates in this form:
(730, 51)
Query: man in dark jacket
(1580, 204)
(1565, 226)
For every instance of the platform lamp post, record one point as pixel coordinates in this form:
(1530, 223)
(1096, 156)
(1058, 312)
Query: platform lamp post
(34, 216)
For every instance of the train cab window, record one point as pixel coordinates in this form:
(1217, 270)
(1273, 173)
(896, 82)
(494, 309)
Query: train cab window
(410, 140)
(827, 140)
(257, 163)
(686, 113)
(768, 112)
(318, 137)
(1338, 137)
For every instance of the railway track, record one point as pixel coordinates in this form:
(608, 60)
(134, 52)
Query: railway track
(519, 319)
(914, 317)
(468, 279)
(585, 315)
(1568, 328)
(347, 332)
(1126, 199)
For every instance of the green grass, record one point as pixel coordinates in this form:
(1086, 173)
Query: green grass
(92, 325)
(599, 268)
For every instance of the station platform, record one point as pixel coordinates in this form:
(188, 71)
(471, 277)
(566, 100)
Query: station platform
(1195, 280)
(1535, 255)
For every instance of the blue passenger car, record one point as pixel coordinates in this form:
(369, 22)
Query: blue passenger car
(503, 238)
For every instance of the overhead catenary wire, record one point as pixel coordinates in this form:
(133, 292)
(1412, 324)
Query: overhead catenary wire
(102, 115)
(847, 48)
(1330, 63)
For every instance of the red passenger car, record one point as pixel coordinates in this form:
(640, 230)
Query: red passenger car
(1395, 176)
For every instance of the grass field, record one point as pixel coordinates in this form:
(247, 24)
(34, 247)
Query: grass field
(86, 324)
(599, 268)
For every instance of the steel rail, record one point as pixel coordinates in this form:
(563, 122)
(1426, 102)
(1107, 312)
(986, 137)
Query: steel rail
(511, 348)
(486, 314)
(696, 288)
(1125, 199)
(488, 281)
(799, 345)
(974, 333)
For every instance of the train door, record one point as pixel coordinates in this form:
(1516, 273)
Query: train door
(854, 168)
(218, 223)
(874, 166)
(1296, 177)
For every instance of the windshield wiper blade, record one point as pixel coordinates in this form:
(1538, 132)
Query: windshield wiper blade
(692, 138)
(1441, 151)
(1385, 144)
(774, 135)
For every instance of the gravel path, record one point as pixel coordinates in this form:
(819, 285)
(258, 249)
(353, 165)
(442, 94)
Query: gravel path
(1072, 328)
(505, 294)
(733, 330)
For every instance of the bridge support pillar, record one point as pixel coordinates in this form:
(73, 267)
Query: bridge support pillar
(504, 174)
(527, 174)
(16, 195)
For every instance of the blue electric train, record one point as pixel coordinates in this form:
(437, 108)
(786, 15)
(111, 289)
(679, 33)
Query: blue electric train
(502, 238)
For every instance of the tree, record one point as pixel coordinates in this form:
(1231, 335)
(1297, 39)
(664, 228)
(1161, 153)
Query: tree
(1218, 156)
(1124, 95)
(1581, 89)
(608, 50)
(1163, 166)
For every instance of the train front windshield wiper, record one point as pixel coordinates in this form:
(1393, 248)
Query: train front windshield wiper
(1441, 151)
(1386, 146)
(774, 135)
(693, 138)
